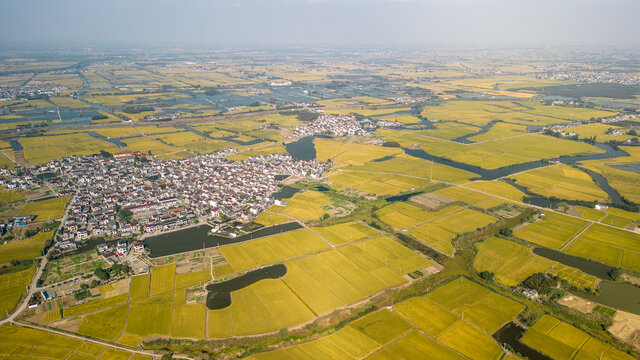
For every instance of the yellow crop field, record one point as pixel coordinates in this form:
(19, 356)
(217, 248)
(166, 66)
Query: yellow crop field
(448, 130)
(140, 287)
(625, 182)
(194, 142)
(95, 305)
(512, 263)
(268, 219)
(69, 102)
(129, 340)
(345, 232)
(354, 101)
(162, 278)
(10, 196)
(553, 230)
(267, 250)
(439, 233)
(192, 278)
(500, 130)
(188, 321)
(567, 113)
(563, 341)
(403, 215)
(608, 245)
(307, 205)
(561, 181)
(21, 342)
(46, 210)
(414, 346)
(106, 324)
(146, 145)
(599, 130)
(24, 249)
(349, 153)
(458, 193)
(497, 188)
(39, 150)
(470, 341)
(12, 286)
(374, 183)
(589, 213)
(409, 165)
(150, 316)
(117, 132)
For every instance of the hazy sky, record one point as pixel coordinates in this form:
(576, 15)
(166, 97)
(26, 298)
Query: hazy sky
(320, 22)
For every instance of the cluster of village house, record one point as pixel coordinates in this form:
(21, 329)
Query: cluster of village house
(130, 194)
(337, 125)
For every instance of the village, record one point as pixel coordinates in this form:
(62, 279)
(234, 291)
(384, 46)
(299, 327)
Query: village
(129, 194)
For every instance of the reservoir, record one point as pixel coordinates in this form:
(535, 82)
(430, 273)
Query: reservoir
(303, 149)
(195, 238)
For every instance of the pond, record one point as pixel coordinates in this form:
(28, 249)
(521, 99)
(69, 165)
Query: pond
(198, 237)
(219, 294)
(511, 334)
(285, 192)
(303, 149)
(590, 267)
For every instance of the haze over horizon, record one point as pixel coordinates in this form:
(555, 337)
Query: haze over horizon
(383, 23)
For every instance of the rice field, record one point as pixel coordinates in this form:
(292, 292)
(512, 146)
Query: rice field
(21, 342)
(374, 183)
(303, 206)
(162, 279)
(46, 210)
(24, 249)
(10, 196)
(511, 263)
(12, 286)
(344, 154)
(345, 233)
(440, 232)
(615, 247)
(409, 165)
(561, 181)
(563, 341)
(315, 285)
(401, 215)
(268, 250)
(38, 150)
(105, 324)
(552, 230)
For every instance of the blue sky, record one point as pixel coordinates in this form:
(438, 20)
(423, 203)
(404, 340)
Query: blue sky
(359, 23)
